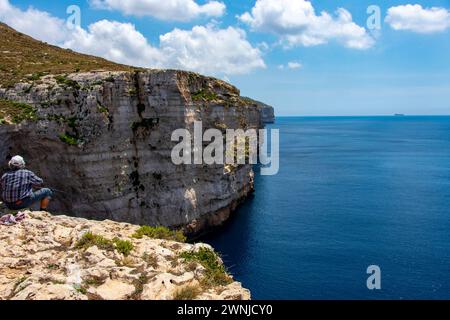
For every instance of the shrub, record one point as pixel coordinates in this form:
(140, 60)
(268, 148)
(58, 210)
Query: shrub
(69, 139)
(102, 109)
(16, 111)
(63, 80)
(187, 293)
(123, 246)
(206, 95)
(160, 233)
(89, 240)
(36, 76)
(80, 289)
(110, 79)
(216, 273)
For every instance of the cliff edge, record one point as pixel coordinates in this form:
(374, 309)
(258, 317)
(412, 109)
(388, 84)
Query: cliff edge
(49, 257)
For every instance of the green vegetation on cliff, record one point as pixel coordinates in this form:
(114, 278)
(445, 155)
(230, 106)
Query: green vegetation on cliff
(26, 59)
(89, 240)
(205, 95)
(16, 112)
(159, 233)
(216, 273)
(69, 139)
(187, 293)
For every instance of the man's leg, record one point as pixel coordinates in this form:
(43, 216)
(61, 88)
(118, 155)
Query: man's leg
(43, 195)
(44, 204)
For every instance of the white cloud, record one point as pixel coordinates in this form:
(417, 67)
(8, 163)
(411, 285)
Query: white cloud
(38, 24)
(205, 49)
(418, 19)
(115, 41)
(202, 49)
(173, 10)
(211, 51)
(296, 23)
(294, 65)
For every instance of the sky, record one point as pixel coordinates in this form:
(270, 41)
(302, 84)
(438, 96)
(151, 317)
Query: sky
(319, 57)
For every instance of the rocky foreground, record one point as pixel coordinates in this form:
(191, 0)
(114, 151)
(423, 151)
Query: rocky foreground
(49, 257)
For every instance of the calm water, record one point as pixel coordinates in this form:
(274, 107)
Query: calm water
(351, 192)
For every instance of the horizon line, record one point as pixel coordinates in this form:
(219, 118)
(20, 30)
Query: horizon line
(374, 115)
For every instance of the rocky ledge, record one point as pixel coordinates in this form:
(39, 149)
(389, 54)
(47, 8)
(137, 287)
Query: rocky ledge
(49, 257)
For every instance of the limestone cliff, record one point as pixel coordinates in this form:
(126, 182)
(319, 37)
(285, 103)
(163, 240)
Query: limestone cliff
(62, 258)
(103, 138)
(267, 112)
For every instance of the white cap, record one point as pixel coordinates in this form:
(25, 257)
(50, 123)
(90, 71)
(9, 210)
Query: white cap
(17, 162)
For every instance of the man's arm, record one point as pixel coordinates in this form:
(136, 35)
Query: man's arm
(35, 180)
(1, 184)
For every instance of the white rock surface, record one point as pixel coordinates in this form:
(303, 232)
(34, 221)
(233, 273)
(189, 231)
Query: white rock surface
(40, 260)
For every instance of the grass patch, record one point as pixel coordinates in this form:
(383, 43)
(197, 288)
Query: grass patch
(159, 233)
(89, 240)
(69, 139)
(80, 289)
(64, 81)
(16, 112)
(23, 56)
(123, 246)
(102, 109)
(187, 293)
(205, 95)
(216, 274)
(36, 76)
(110, 79)
(247, 101)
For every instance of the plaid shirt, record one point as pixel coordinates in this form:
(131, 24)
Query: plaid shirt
(18, 184)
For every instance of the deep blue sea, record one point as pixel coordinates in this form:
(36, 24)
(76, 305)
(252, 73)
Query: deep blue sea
(351, 192)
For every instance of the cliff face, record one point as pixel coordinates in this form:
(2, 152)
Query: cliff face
(61, 258)
(267, 112)
(104, 140)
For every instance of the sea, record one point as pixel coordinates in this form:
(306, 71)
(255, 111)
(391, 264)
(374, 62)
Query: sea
(352, 192)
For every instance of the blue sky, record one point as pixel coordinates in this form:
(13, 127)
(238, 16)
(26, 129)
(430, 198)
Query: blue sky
(338, 65)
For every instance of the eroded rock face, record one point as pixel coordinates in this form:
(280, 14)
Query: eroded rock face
(40, 260)
(104, 140)
(267, 112)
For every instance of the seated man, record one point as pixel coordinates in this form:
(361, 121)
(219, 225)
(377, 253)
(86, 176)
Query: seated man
(17, 187)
